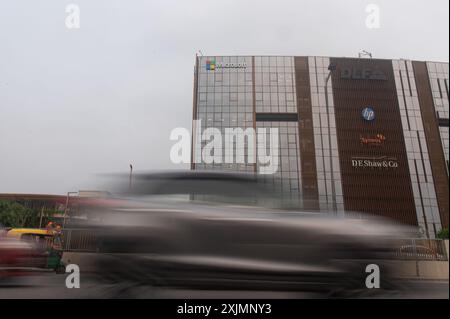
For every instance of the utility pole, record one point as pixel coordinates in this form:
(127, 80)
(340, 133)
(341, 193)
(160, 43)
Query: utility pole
(66, 210)
(131, 176)
(40, 219)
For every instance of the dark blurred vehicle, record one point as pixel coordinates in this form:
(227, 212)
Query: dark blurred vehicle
(18, 258)
(25, 251)
(206, 230)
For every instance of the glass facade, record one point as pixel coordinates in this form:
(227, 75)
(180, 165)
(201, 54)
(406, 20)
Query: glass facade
(438, 74)
(232, 92)
(325, 141)
(274, 85)
(288, 172)
(225, 100)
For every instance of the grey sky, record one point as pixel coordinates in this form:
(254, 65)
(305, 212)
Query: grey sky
(78, 102)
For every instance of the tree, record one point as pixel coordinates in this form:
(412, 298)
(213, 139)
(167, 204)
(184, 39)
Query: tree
(443, 233)
(13, 214)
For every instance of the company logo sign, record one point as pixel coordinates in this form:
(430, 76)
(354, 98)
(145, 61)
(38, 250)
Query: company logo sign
(362, 74)
(368, 114)
(211, 65)
(383, 162)
(372, 140)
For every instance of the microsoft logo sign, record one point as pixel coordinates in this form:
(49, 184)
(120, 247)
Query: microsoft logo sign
(211, 65)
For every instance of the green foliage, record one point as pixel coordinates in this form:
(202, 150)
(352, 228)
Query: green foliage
(443, 233)
(13, 214)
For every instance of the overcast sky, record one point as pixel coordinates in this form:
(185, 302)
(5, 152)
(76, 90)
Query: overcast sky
(77, 102)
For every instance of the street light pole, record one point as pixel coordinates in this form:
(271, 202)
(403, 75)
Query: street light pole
(331, 68)
(131, 176)
(67, 207)
(40, 218)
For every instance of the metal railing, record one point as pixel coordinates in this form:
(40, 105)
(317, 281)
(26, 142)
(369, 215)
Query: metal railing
(80, 240)
(85, 240)
(421, 249)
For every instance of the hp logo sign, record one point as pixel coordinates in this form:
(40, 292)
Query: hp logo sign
(368, 114)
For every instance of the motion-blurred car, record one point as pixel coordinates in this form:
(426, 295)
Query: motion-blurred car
(25, 251)
(203, 230)
(18, 257)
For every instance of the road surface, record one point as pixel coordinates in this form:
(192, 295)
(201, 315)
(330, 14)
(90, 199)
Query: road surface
(52, 286)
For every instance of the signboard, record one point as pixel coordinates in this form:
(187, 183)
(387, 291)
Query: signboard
(212, 65)
(362, 74)
(372, 140)
(382, 162)
(368, 114)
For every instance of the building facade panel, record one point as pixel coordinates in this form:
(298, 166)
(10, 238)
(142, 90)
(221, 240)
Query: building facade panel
(307, 152)
(325, 140)
(433, 141)
(374, 164)
(289, 169)
(439, 82)
(416, 147)
(224, 100)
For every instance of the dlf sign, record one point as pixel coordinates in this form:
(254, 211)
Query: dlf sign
(362, 74)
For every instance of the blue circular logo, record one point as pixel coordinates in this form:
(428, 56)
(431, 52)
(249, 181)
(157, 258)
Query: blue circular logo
(368, 114)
